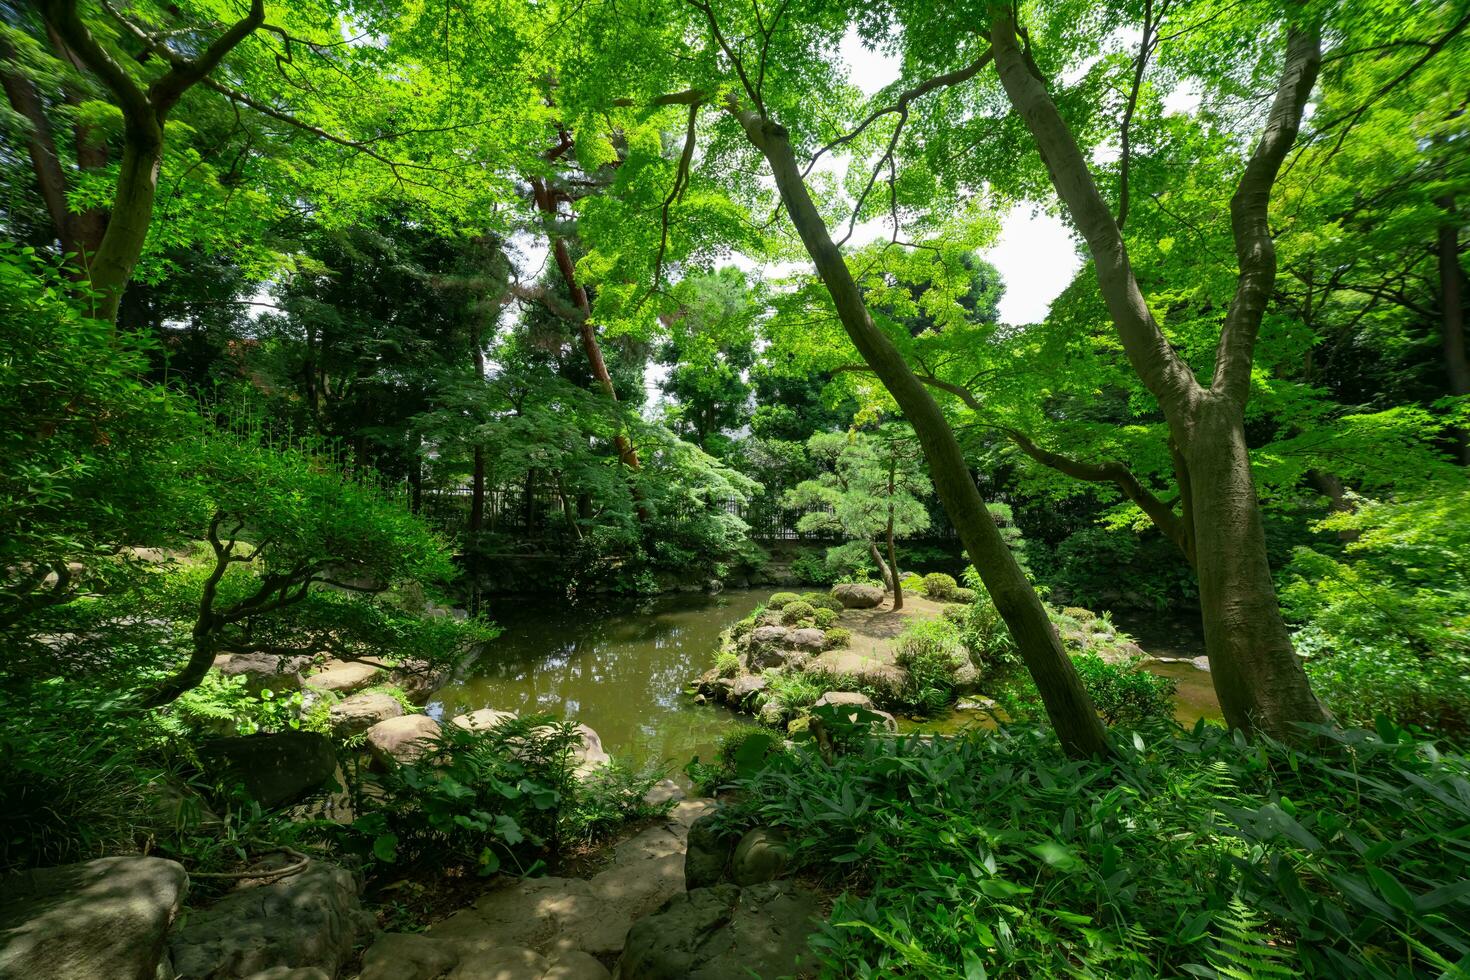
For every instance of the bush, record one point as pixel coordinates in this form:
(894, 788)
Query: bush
(939, 586)
(999, 857)
(727, 663)
(795, 612)
(821, 600)
(1125, 693)
(1386, 629)
(930, 651)
(792, 690)
(963, 595)
(781, 599)
(739, 753)
(838, 637)
(824, 618)
(814, 569)
(986, 636)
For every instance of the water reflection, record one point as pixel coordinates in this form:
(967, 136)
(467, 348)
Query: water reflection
(619, 667)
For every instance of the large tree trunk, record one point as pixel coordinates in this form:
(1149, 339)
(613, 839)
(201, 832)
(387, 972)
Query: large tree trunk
(889, 582)
(1067, 703)
(893, 564)
(1258, 679)
(1452, 312)
(1260, 682)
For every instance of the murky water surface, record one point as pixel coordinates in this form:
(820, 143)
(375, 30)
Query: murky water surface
(622, 668)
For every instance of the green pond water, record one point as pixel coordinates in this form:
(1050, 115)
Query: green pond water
(622, 669)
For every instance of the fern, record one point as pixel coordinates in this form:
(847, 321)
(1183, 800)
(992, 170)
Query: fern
(1243, 951)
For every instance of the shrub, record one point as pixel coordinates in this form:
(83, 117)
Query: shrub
(939, 586)
(794, 612)
(838, 637)
(963, 595)
(930, 652)
(824, 618)
(610, 797)
(781, 599)
(814, 569)
(727, 663)
(986, 636)
(792, 690)
(821, 600)
(1125, 693)
(999, 857)
(485, 799)
(739, 753)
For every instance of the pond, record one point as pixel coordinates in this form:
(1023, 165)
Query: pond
(622, 669)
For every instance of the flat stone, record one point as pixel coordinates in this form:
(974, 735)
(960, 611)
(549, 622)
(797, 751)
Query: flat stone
(724, 932)
(408, 956)
(853, 699)
(307, 920)
(746, 685)
(482, 720)
(402, 740)
(662, 792)
(707, 853)
(576, 965)
(345, 678)
(107, 918)
(503, 963)
(768, 635)
(867, 670)
(357, 714)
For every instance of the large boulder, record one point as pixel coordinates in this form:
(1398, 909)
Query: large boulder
(760, 856)
(854, 699)
(482, 720)
(345, 678)
(762, 657)
(307, 920)
(724, 931)
(104, 918)
(266, 671)
(812, 640)
(745, 686)
(589, 754)
(402, 740)
(854, 596)
(707, 853)
(274, 769)
(355, 715)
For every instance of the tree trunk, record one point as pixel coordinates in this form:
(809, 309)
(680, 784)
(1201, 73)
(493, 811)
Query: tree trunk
(896, 574)
(883, 571)
(1452, 313)
(1257, 676)
(1067, 703)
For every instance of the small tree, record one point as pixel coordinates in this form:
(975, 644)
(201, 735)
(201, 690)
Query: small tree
(871, 490)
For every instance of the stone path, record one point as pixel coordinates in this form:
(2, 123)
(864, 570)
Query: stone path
(548, 928)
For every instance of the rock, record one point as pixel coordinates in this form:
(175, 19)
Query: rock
(706, 854)
(502, 963)
(772, 714)
(966, 678)
(760, 856)
(762, 657)
(482, 720)
(418, 679)
(975, 704)
(274, 769)
(1201, 663)
(724, 931)
(807, 639)
(663, 791)
(306, 920)
(714, 586)
(104, 918)
(357, 714)
(856, 700)
(589, 755)
(408, 956)
(345, 678)
(402, 740)
(853, 596)
(865, 670)
(768, 635)
(288, 973)
(266, 671)
(576, 965)
(745, 685)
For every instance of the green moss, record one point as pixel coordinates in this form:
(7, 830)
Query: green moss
(794, 612)
(782, 599)
(939, 586)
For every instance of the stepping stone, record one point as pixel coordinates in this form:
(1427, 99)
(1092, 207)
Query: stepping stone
(344, 678)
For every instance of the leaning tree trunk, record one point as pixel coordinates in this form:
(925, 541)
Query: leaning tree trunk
(893, 564)
(1257, 676)
(889, 581)
(1067, 703)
